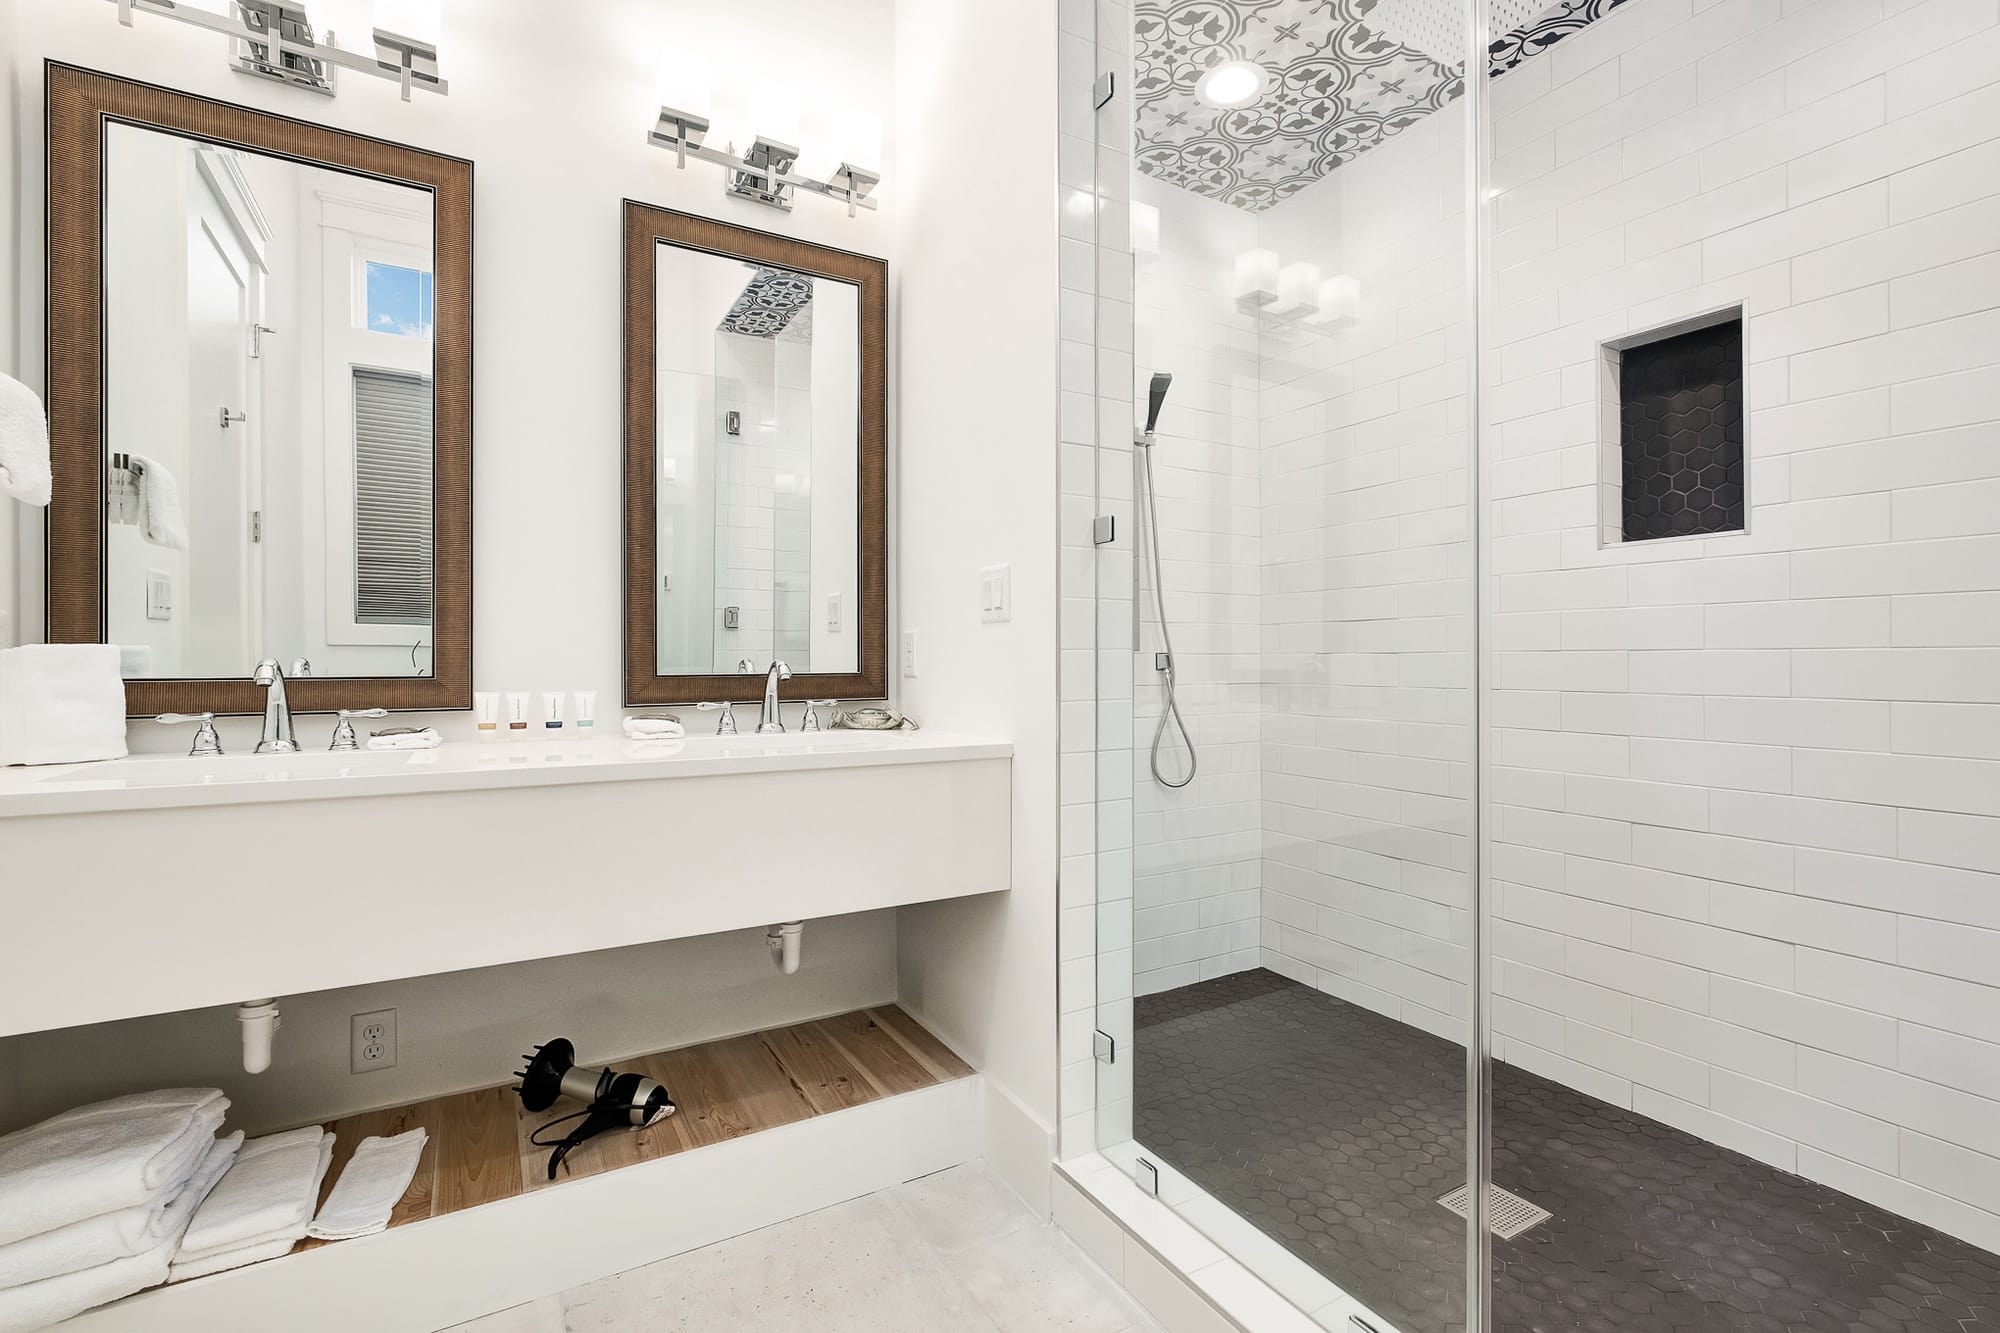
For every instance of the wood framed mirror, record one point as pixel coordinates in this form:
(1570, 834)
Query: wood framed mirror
(260, 402)
(755, 463)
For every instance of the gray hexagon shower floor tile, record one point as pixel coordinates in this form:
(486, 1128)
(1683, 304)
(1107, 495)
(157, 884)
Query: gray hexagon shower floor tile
(1336, 1130)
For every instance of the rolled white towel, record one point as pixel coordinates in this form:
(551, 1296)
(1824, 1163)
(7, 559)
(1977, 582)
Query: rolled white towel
(24, 443)
(161, 521)
(653, 729)
(61, 703)
(33, 1305)
(267, 1197)
(370, 1186)
(104, 1157)
(427, 738)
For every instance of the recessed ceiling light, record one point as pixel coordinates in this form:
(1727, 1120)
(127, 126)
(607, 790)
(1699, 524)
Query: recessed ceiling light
(1231, 84)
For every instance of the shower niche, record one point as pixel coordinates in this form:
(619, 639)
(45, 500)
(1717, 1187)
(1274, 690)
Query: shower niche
(1672, 417)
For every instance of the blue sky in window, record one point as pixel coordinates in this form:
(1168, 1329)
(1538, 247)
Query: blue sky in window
(399, 300)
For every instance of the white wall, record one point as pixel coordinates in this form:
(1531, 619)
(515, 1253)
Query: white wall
(976, 486)
(1198, 849)
(1367, 590)
(1749, 809)
(553, 115)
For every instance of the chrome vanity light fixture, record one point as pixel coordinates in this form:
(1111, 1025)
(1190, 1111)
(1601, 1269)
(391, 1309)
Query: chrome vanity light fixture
(766, 173)
(273, 39)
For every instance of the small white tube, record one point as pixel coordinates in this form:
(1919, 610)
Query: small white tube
(260, 1021)
(552, 714)
(488, 705)
(517, 715)
(586, 710)
(786, 941)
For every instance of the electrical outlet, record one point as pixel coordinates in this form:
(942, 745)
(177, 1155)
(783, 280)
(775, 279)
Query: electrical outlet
(909, 654)
(372, 1041)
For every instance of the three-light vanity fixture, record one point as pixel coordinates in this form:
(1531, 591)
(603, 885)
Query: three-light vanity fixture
(772, 170)
(273, 39)
(1294, 293)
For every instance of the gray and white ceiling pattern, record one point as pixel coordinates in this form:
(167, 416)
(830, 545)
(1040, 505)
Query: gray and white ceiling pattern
(770, 301)
(1337, 85)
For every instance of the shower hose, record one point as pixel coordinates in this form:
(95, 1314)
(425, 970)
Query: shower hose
(1172, 711)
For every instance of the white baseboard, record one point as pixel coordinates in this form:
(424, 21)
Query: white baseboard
(1019, 1147)
(430, 1275)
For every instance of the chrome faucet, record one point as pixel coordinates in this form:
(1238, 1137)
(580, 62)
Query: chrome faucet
(772, 718)
(277, 738)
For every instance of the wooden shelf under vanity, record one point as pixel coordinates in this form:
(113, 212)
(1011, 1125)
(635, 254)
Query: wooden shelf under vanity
(479, 1152)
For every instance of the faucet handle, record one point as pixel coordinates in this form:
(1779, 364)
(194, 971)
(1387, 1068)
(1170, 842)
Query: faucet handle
(812, 714)
(726, 726)
(206, 742)
(343, 731)
(301, 668)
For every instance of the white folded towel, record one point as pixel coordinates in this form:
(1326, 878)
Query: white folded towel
(653, 728)
(33, 1305)
(100, 1158)
(427, 738)
(267, 1197)
(370, 1187)
(61, 703)
(24, 443)
(183, 1270)
(160, 519)
(118, 1234)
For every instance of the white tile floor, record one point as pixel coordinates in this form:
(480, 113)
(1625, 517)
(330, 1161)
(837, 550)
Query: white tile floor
(956, 1250)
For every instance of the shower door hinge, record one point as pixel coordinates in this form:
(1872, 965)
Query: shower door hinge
(1105, 1047)
(1147, 1177)
(1104, 529)
(256, 526)
(257, 332)
(1100, 92)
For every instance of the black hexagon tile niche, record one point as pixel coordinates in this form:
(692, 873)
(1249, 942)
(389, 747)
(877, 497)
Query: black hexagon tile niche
(1681, 433)
(1335, 1130)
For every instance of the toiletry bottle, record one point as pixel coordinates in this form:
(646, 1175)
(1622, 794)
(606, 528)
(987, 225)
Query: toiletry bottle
(586, 711)
(487, 705)
(517, 714)
(552, 714)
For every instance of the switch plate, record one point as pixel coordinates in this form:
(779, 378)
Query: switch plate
(372, 1041)
(996, 594)
(159, 595)
(909, 654)
(833, 613)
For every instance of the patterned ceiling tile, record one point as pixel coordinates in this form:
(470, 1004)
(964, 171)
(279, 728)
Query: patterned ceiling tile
(768, 303)
(1337, 86)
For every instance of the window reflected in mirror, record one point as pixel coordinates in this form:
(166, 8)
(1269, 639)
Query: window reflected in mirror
(268, 412)
(757, 406)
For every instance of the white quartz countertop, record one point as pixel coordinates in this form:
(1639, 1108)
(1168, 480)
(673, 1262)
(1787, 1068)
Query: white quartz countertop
(153, 782)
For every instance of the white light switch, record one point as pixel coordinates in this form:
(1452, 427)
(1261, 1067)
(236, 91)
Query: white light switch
(909, 653)
(833, 613)
(159, 595)
(996, 593)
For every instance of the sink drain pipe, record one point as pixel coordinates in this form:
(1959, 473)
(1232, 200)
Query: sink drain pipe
(785, 941)
(260, 1021)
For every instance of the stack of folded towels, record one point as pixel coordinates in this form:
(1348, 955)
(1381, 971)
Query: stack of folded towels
(262, 1207)
(94, 1202)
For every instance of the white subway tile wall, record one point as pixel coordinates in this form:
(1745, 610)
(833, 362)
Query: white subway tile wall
(1749, 803)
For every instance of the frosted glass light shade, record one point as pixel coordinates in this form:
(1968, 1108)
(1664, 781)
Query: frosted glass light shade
(1298, 291)
(1256, 280)
(683, 83)
(1339, 300)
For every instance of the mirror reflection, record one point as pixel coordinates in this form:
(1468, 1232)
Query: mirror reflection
(757, 440)
(268, 413)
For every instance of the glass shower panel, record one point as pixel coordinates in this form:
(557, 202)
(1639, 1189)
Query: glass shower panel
(1286, 644)
(1742, 434)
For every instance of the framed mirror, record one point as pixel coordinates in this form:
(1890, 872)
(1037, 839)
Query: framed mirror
(260, 403)
(755, 491)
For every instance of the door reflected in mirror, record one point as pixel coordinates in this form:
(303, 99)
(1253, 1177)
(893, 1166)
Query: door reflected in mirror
(757, 440)
(268, 413)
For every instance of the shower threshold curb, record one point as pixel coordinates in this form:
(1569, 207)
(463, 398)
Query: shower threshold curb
(1186, 1279)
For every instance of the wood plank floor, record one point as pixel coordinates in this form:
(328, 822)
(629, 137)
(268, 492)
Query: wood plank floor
(479, 1151)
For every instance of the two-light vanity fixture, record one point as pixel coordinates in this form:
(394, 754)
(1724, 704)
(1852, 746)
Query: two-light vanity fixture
(273, 39)
(772, 170)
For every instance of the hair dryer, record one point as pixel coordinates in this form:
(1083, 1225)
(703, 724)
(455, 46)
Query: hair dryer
(612, 1100)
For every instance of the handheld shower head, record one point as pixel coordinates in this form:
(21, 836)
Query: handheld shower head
(1156, 398)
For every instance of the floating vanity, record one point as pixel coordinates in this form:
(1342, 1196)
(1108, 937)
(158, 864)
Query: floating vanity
(194, 882)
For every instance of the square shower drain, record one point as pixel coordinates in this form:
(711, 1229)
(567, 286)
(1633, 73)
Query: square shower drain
(1507, 1215)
